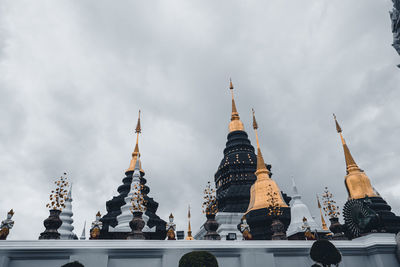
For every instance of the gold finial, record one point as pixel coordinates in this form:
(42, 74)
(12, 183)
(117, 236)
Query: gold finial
(264, 186)
(324, 226)
(350, 163)
(136, 153)
(235, 124)
(189, 232)
(357, 182)
(98, 214)
(260, 160)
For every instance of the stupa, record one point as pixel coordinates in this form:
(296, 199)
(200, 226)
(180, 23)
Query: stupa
(257, 214)
(299, 211)
(114, 205)
(359, 188)
(234, 177)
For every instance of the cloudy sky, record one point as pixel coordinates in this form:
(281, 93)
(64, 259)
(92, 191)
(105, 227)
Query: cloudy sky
(73, 75)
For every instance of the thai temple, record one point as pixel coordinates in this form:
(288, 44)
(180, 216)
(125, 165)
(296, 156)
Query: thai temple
(249, 219)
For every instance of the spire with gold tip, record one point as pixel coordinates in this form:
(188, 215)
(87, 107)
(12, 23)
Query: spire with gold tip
(235, 124)
(189, 232)
(259, 190)
(136, 153)
(357, 182)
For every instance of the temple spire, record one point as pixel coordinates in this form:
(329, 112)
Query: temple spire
(83, 235)
(261, 168)
(136, 153)
(324, 226)
(235, 124)
(264, 184)
(357, 182)
(189, 232)
(350, 163)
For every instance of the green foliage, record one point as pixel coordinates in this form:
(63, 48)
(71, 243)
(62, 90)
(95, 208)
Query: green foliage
(198, 259)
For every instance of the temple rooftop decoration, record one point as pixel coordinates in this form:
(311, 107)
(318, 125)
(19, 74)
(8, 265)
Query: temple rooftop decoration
(114, 205)
(257, 213)
(189, 232)
(66, 229)
(299, 211)
(359, 187)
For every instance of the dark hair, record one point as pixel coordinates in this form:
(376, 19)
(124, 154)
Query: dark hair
(324, 252)
(198, 259)
(73, 264)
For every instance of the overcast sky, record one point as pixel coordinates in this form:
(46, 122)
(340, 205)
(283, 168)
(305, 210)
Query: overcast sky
(73, 75)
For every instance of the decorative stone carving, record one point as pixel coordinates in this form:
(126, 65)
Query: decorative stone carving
(171, 226)
(52, 223)
(337, 229)
(210, 208)
(137, 225)
(6, 225)
(211, 226)
(97, 225)
(278, 230)
(245, 229)
(360, 218)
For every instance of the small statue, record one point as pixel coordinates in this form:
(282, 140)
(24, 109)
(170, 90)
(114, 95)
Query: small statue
(307, 230)
(171, 226)
(245, 229)
(6, 225)
(97, 225)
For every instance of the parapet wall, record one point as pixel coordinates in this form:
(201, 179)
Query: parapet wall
(374, 250)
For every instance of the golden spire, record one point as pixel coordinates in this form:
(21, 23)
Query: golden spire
(324, 226)
(136, 153)
(189, 232)
(350, 163)
(260, 160)
(235, 124)
(357, 182)
(264, 184)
